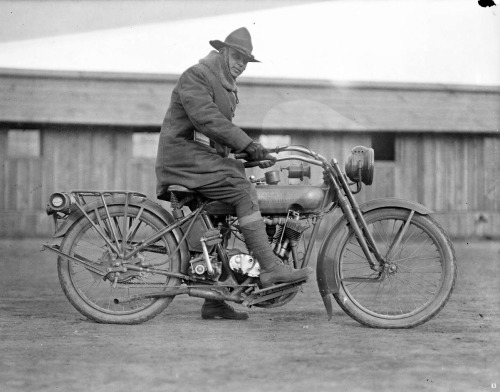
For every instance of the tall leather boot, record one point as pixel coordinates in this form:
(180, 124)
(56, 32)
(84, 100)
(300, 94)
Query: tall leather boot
(273, 271)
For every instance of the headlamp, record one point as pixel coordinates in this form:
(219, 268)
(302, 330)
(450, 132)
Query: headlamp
(360, 165)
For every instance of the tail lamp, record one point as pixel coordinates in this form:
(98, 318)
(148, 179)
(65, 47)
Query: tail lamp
(59, 202)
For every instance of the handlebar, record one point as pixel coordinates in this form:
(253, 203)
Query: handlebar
(317, 160)
(253, 164)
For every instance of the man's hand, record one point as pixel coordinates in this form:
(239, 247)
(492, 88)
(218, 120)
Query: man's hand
(257, 152)
(268, 161)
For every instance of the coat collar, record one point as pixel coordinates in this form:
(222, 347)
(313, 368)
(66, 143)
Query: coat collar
(215, 62)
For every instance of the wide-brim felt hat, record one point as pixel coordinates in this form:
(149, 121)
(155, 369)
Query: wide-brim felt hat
(239, 40)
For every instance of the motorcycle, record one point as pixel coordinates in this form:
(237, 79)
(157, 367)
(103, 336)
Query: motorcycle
(123, 258)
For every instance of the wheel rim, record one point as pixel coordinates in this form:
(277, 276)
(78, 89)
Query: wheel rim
(413, 273)
(91, 247)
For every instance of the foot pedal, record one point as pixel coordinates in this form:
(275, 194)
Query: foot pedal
(261, 295)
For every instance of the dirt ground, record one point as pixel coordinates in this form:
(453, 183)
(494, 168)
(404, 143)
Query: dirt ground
(46, 345)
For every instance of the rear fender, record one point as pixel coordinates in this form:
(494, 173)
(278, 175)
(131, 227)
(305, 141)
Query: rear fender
(326, 274)
(136, 201)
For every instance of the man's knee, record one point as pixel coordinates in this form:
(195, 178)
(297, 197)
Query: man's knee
(255, 216)
(248, 205)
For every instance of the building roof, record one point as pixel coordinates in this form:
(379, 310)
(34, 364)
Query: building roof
(281, 104)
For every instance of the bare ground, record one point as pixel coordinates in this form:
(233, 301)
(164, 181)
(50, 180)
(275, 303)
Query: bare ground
(46, 345)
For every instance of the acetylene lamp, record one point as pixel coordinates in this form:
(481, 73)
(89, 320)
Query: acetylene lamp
(360, 165)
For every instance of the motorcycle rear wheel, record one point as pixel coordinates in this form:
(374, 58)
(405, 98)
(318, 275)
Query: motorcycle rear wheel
(94, 297)
(418, 278)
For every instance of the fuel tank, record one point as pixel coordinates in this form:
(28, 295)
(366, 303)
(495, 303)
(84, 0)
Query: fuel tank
(278, 199)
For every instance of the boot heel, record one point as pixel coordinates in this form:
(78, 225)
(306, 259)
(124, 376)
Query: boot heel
(204, 317)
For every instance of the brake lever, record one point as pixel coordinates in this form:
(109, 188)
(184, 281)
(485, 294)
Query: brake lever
(278, 149)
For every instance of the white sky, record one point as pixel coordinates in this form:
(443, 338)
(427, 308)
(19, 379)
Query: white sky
(448, 42)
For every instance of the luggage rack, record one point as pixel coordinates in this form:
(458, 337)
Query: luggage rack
(79, 195)
(77, 200)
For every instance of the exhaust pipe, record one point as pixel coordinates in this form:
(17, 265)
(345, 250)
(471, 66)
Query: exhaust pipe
(191, 291)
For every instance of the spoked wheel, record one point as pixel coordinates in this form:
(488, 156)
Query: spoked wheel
(417, 278)
(91, 291)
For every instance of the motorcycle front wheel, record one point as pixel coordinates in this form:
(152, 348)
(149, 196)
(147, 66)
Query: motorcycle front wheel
(93, 294)
(418, 276)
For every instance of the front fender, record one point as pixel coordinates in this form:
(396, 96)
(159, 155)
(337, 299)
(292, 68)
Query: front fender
(148, 205)
(326, 274)
(395, 202)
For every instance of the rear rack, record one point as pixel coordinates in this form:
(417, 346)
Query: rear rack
(79, 201)
(80, 194)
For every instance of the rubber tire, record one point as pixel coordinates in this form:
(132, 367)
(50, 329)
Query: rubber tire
(156, 307)
(444, 245)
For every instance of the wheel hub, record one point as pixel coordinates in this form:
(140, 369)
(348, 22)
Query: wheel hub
(111, 260)
(391, 268)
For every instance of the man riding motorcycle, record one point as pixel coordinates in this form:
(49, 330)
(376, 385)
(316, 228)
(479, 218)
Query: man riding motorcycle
(196, 137)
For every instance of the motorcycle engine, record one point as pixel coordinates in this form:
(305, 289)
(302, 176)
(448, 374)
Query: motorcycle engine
(198, 270)
(244, 264)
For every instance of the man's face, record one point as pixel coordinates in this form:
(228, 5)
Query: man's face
(237, 62)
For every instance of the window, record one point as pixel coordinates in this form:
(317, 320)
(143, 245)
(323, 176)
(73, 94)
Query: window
(145, 144)
(384, 145)
(23, 143)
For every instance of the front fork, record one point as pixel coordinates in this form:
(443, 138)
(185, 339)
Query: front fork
(356, 220)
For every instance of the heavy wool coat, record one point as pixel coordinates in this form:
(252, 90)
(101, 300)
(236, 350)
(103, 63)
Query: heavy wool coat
(204, 101)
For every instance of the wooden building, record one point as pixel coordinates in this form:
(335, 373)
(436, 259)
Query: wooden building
(436, 144)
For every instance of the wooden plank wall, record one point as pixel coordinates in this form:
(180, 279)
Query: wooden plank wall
(72, 157)
(458, 176)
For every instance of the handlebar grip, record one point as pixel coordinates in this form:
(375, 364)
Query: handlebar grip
(251, 164)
